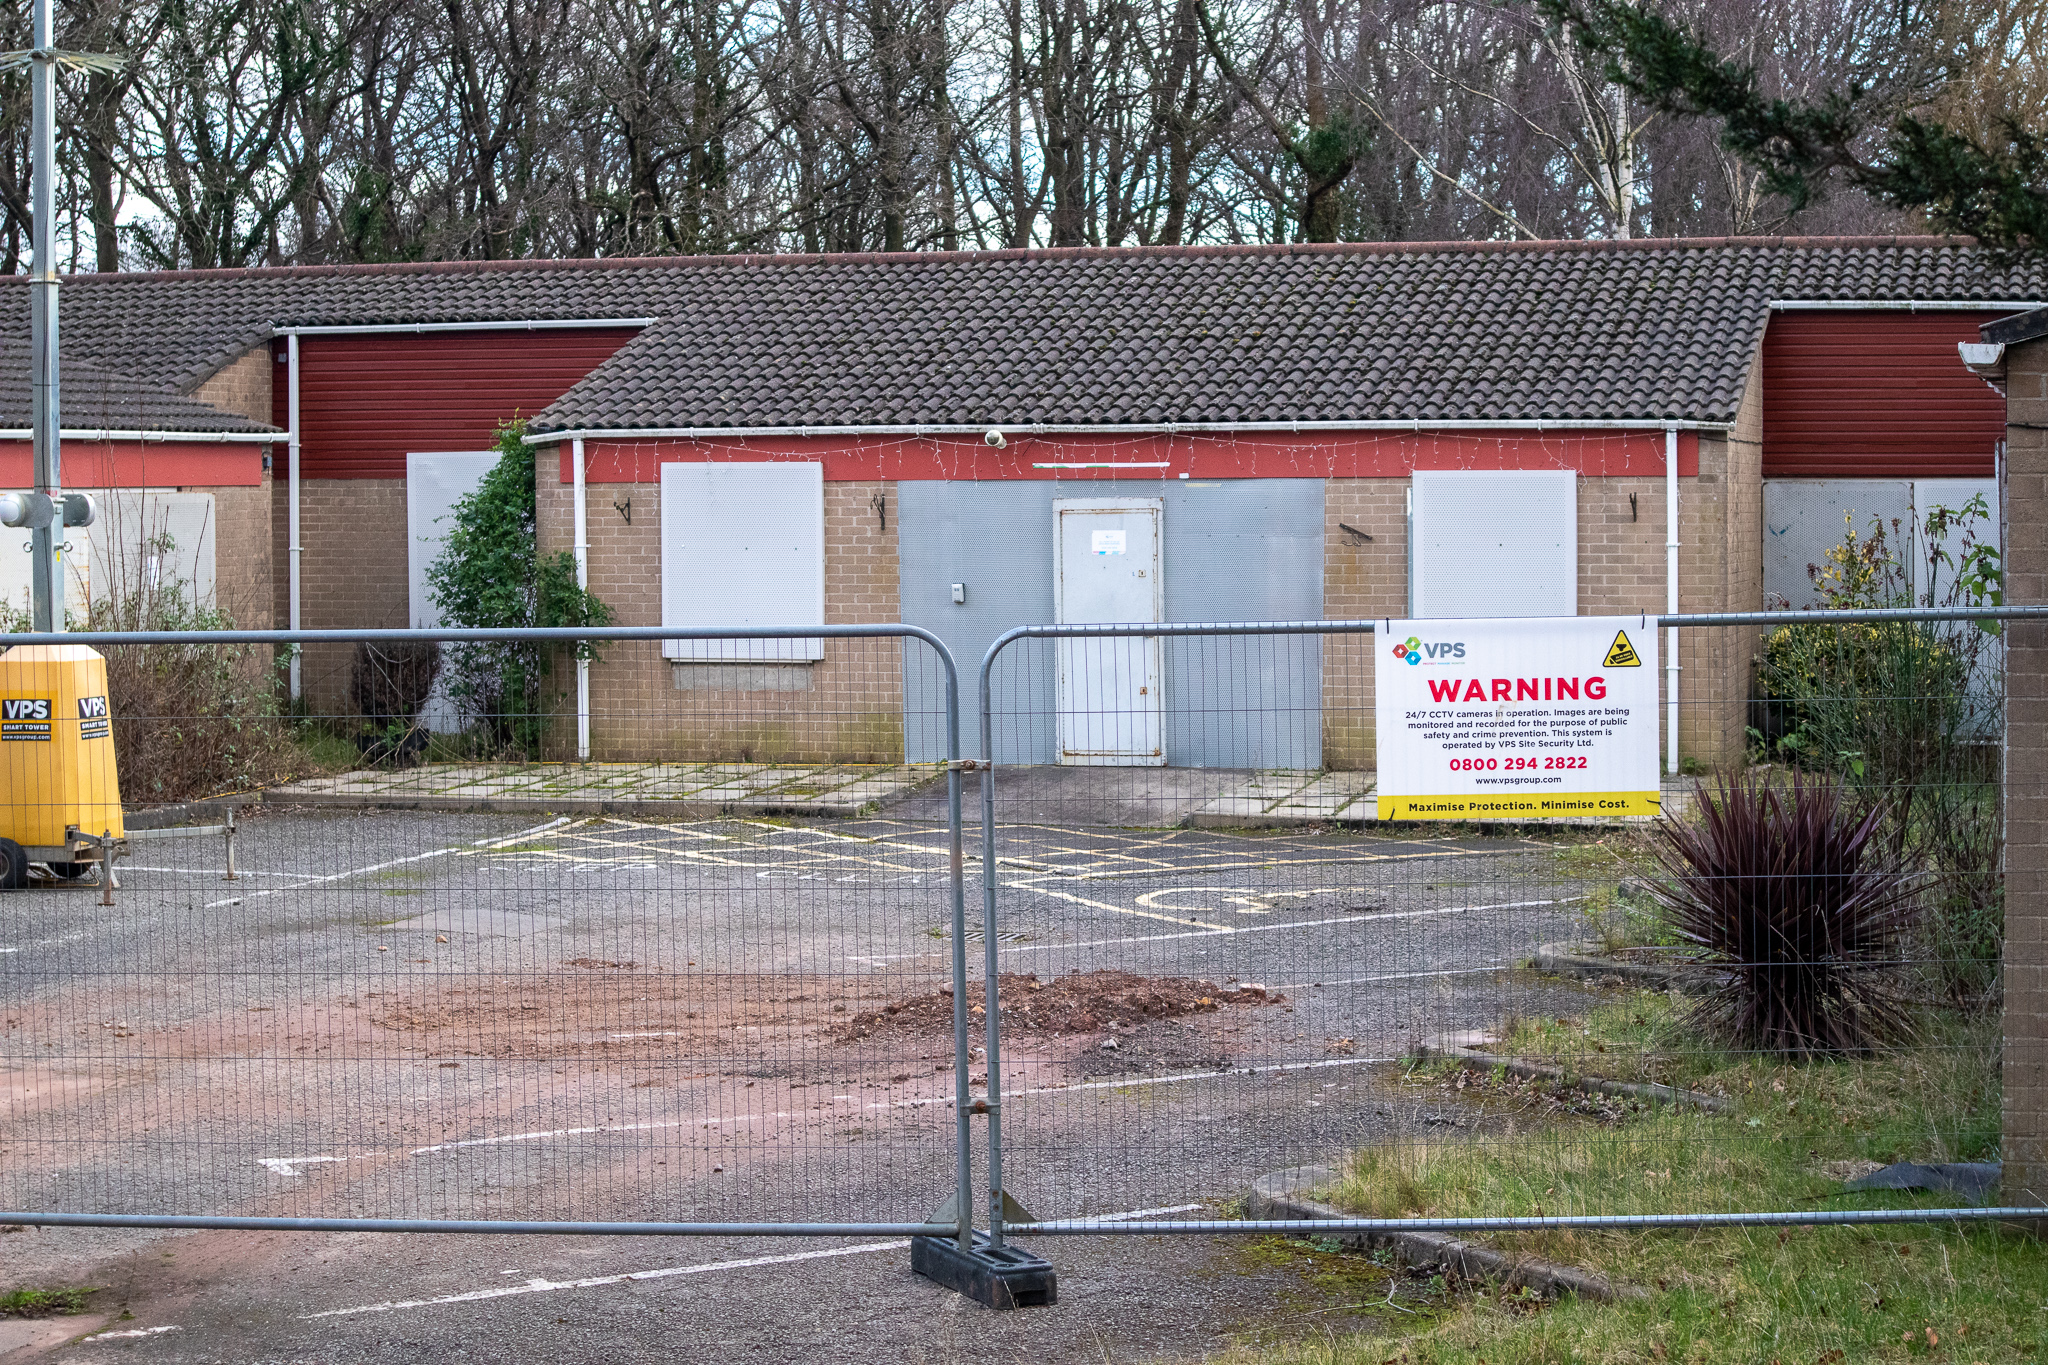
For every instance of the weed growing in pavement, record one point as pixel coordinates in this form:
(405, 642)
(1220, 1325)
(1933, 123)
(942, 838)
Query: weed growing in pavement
(44, 1303)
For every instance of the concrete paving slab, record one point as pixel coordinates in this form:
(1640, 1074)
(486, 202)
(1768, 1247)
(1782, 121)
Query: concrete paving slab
(659, 791)
(1151, 798)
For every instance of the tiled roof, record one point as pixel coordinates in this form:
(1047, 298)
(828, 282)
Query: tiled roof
(1369, 332)
(92, 398)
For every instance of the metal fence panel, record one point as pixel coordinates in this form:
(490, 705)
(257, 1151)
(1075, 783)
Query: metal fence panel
(1206, 975)
(458, 980)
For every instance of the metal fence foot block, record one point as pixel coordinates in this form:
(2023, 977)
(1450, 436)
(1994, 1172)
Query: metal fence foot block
(997, 1276)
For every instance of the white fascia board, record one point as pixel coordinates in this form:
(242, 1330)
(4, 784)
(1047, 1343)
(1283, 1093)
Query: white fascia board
(507, 325)
(209, 437)
(1904, 305)
(1136, 429)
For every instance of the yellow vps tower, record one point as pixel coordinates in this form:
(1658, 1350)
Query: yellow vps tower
(58, 790)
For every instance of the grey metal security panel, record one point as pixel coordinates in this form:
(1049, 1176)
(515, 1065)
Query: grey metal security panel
(1241, 550)
(1806, 518)
(743, 545)
(1933, 565)
(1107, 570)
(1493, 542)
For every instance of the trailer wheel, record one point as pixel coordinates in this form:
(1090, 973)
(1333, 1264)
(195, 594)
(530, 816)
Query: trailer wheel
(13, 866)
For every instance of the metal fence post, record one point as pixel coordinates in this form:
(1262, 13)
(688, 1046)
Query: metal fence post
(990, 993)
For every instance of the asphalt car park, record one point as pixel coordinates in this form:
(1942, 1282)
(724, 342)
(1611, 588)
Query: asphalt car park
(406, 1015)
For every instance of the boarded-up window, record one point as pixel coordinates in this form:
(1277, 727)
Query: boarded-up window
(1495, 543)
(743, 545)
(152, 541)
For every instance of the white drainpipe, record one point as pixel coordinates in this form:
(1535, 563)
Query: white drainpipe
(292, 490)
(582, 582)
(1671, 594)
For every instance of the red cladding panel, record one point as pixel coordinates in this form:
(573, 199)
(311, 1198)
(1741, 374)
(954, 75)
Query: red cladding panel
(1876, 395)
(142, 464)
(366, 401)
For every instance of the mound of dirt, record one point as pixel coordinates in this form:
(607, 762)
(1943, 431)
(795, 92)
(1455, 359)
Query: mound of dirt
(1082, 1003)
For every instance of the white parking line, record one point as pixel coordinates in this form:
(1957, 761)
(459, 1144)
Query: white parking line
(133, 1332)
(288, 1166)
(1118, 909)
(1225, 929)
(395, 862)
(1398, 976)
(44, 943)
(539, 1285)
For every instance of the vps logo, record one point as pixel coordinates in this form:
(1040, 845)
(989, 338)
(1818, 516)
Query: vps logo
(92, 708)
(25, 708)
(1414, 651)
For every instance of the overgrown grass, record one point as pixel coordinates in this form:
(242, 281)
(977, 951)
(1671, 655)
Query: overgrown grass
(1812, 1294)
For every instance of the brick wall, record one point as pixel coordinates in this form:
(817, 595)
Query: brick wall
(852, 707)
(2025, 1058)
(242, 553)
(245, 552)
(1361, 580)
(353, 573)
(1720, 568)
(241, 386)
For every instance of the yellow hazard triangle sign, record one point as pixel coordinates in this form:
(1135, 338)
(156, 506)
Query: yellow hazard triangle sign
(1622, 654)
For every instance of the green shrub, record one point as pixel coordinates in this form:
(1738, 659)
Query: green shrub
(491, 575)
(1907, 714)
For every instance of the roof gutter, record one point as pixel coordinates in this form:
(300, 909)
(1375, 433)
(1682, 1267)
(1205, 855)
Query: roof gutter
(1905, 305)
(108, 434)
(1539, 424)
(506, 325)
(1986, 360)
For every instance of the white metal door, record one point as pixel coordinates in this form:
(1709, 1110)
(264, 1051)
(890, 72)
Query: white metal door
(1106, 570)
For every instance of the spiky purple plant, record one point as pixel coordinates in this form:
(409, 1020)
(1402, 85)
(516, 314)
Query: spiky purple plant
(1790, 894)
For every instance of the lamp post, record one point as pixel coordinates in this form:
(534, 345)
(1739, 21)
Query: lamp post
(46, 512)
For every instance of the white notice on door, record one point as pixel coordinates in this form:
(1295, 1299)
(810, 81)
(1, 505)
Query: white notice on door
(1106, 542)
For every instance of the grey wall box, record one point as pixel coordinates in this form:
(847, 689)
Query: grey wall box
(1232, 550)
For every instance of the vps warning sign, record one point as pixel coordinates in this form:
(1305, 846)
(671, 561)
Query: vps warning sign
(1529, 719)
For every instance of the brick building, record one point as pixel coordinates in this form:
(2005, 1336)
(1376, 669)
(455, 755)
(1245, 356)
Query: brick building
(1274, 432)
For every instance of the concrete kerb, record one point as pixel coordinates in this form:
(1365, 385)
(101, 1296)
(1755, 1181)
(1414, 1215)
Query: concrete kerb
(1279, 1196)
(1484, 1063)
(1579, 960)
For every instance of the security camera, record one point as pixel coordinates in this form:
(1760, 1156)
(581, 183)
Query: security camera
(994, 439)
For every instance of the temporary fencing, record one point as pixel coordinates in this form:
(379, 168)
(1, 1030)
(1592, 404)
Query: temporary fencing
(1491, 1025)
(692, 954)
(454, 983)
